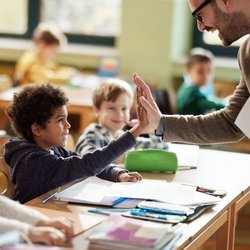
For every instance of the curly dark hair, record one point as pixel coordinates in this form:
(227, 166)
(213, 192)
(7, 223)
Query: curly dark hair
(34, 104)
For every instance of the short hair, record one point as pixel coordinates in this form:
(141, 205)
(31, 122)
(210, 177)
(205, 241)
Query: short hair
(34, 104)
(198, 55)
(49, 34)
(109, 90)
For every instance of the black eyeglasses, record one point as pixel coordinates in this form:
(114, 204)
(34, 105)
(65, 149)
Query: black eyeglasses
(194, 13)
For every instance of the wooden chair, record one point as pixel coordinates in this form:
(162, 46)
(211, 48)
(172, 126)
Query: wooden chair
(165, 101)
(7, 188)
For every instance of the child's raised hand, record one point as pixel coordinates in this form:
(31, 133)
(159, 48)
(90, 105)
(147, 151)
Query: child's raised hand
(142, 125)
(147, 101)
(141, 112)
(129, 177)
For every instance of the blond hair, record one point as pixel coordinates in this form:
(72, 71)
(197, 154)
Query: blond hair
(109, 90)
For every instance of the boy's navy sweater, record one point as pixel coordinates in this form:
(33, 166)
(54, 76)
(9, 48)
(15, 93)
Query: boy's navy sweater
(36, 171)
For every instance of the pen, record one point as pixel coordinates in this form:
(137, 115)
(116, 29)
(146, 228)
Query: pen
(118, 201)
(186, 168)
(48, 198)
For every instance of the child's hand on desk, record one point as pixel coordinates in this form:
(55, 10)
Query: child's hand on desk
(129, 177)
(62, 224)
(47, 235)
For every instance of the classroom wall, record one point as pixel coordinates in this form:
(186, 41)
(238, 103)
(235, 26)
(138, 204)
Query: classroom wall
(155, 37)
(145, 41)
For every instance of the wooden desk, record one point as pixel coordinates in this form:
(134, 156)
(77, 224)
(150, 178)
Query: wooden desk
(218, 169)
(80, 103)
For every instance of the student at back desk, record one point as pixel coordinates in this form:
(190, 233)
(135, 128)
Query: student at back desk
(38, 64)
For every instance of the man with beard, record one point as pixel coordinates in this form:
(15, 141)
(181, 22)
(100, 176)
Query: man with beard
(231, 18)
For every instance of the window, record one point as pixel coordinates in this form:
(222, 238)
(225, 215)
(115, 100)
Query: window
(212, 42)
(83, 21)
(14, 17)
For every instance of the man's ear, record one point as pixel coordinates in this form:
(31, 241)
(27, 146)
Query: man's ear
(36, 129)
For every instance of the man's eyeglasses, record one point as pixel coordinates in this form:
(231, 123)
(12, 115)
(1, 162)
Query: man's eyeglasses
(198, 9)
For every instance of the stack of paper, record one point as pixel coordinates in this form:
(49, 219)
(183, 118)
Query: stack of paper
(97, 191)
(118, 232)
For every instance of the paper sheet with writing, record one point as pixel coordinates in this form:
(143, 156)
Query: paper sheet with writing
(162, 191)
(242, 120)
(146, 189)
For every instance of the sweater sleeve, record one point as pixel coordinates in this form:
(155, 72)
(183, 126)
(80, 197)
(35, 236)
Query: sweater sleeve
(54, 171)
(11, 224)
(219, 126)
(14, 211)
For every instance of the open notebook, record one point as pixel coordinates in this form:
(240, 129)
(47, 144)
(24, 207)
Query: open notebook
(97, 191)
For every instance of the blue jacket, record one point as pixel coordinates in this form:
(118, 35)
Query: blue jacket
(36, 171)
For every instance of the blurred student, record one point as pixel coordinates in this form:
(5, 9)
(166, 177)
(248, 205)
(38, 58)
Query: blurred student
(38, 64)
(38, 160)
(112, 100)
(36, 226)
(193, 97)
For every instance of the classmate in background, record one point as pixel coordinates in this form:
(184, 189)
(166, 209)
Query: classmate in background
(191, 99)
(38, 64)
(37, 158)
(112, 100)
(36, 226)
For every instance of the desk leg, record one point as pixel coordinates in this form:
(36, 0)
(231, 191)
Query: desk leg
(226, 234)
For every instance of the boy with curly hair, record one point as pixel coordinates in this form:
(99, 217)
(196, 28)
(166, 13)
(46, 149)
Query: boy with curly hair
(37, 158)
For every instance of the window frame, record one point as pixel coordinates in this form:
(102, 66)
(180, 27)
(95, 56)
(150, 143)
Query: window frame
(34, 18)
(217, 50)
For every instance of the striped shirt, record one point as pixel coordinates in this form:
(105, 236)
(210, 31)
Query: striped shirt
(96, 137)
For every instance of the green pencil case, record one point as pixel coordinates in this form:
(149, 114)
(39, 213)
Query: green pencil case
(151, 160)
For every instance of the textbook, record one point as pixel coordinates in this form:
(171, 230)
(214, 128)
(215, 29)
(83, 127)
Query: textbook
(118, 232)
(101, 192)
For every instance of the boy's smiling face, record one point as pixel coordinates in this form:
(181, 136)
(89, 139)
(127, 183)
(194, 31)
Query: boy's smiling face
(56, 130)
(114, 115)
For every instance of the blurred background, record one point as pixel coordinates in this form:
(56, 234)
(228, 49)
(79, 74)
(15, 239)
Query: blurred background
(150, 37)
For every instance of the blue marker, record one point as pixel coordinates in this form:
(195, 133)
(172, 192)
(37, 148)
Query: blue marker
(118, 201)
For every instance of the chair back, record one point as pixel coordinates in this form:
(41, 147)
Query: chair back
(165, 101)
(7, 188)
